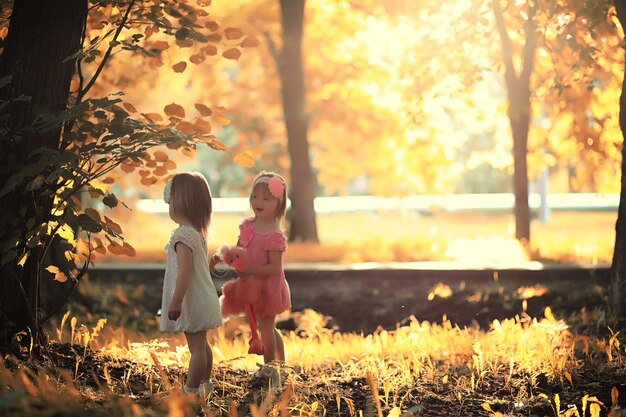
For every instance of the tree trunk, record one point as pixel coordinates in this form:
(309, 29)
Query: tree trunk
(519, 128)
(618, 267)
(42, 35)
(303, 224)
(518, 89)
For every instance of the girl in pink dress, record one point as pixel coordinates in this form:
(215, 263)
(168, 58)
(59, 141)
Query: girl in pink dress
(265, 243)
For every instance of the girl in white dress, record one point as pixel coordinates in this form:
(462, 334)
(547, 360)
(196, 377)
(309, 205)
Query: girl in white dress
(189, 302)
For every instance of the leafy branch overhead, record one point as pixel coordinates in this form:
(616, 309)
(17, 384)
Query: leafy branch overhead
(99, 132)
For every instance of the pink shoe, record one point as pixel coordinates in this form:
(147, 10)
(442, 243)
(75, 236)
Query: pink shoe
(256, 346)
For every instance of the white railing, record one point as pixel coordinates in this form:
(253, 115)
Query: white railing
(420, 203)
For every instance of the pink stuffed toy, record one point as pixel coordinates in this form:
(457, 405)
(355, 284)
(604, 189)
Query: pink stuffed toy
(241, 294)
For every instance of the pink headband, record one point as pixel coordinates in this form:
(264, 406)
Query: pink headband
(275, 184)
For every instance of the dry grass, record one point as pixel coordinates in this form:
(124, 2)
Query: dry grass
(584, 237)
(519, 366)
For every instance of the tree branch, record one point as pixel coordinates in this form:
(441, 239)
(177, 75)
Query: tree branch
(82, 93)
(507, 49)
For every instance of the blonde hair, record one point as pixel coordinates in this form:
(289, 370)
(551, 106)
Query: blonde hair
(191, 199)
(282, 206)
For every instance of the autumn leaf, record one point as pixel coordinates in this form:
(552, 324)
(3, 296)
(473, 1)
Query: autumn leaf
(213, 142)
(212, 26)
(153, 117)
(174, 109)
(233, 33)
(115, 249)
(128, 168)
(180, 67)
(160, 45)
(52, 269)
(169, 164)
(246, 159)
(113, 226)
(130, 108)
(148, 181)
(184, 43)
(232, 53)
(160, 156)
(93, 214)
(196, 59)
(250, 42)
(186, 127)
(66, 232)
(221, 120)
(202, 126)
(210, 50)
(204, 110)
(60, 277)
(129, 250)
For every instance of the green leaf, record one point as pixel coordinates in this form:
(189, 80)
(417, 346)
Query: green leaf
(182, 33)
(6, 80)
(35, 183)
(110, 200)
(88, 224)
(8, 256)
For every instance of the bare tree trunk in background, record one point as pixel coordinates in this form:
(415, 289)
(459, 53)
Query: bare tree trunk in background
(518, 88)
(303, 225)
(42, 34)
(618, 267)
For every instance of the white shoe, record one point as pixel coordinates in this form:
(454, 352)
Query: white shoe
(205, 389)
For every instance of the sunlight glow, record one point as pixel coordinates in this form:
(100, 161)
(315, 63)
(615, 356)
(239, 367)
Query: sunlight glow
(487, 250)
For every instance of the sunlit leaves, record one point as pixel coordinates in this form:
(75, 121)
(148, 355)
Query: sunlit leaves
(58, 274)
(247, 158)
(157, 27)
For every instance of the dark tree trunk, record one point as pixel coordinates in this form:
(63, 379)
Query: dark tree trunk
(518, 88)
(42, 35)
(302, 219)
(618, 267)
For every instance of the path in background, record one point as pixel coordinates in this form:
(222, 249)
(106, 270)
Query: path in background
(361, 297)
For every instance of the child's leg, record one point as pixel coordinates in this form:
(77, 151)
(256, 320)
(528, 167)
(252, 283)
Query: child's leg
(270, 339)
(198, 361)
(206, 375)
(280, 347)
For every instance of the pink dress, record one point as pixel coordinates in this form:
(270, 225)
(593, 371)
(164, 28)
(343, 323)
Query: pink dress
(275, 296)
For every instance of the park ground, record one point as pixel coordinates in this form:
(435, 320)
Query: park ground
(484, 337)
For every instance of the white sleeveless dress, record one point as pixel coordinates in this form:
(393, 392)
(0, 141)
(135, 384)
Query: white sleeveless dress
(200, 310)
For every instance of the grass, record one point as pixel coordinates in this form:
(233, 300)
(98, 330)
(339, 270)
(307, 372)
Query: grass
(512, 366)
(515, 366)
(584, 237)
(519, 366)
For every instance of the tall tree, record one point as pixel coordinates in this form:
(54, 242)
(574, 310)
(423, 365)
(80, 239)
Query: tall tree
(38, 63)
(518, 89)
(618, 267)
(303, 225)
(60, 142)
